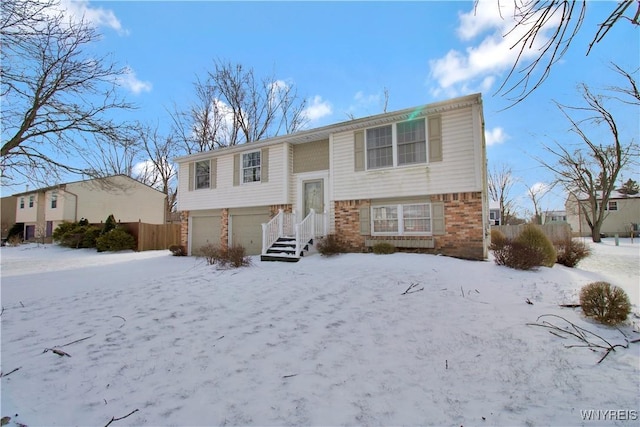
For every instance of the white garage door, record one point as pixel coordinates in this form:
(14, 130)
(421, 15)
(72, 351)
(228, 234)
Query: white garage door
(246, 230)
(204, 230)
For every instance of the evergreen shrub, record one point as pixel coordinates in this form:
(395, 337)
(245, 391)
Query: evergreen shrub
(115, 240)
(607, 304)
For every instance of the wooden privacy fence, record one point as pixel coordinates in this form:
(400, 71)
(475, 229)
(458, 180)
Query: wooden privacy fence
(554, 232)
(152, 237)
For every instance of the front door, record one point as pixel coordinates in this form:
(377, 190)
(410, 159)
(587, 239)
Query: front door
(313, 196)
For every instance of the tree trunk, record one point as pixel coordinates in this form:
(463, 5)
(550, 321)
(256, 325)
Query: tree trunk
(595, 234)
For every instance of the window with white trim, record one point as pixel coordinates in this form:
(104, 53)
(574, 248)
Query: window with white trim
(21, 202)
(407, 219)
(379, 147)
(403, 143)
(31, 201)
(54, 200)
(202, 175)
(251, 167)
(412, 142)
(612, 206)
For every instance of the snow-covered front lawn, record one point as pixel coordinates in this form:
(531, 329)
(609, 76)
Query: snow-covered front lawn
(357, 339)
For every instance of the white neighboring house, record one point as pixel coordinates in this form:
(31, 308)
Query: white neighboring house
(622, 215)
(494, 213)
(414, 178)
(43, 209)
(554, 217)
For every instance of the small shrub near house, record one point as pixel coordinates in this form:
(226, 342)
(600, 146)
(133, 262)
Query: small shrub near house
(519, 256)
(178, 250)
(330, 246)
(533, 237)
(234, 256)
(571, 251)
(383, 248)
(109, 224)
(605, 303)
(115, 240)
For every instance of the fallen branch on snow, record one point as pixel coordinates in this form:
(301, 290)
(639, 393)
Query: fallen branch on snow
(570, 305)
(57, 351)
(589, 339)
(8, 373)
(121, 418)
(409, 289)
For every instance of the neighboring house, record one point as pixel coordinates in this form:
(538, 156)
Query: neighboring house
(494, 213)
(554, 217)
(415, 178)
(43, 209)
(622, 215)
(8, 210)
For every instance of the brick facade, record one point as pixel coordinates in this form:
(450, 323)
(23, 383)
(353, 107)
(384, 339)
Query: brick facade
(224, 228)
(273, 209)
(347, 223)
(184, 228)
(463, 236)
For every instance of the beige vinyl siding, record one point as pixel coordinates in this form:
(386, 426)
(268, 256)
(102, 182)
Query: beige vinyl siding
(312, 156)
(226, 195)
(127, 200)
(456, 172)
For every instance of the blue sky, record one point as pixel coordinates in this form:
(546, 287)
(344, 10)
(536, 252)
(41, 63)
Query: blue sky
(341, 56)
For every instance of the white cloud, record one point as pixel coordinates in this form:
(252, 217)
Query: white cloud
(495, 136)
(540, 188)
(132, 83)
(317, 109)
(95, 16)
(479, 65)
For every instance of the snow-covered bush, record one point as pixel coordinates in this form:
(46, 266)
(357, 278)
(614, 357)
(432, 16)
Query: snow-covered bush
(605, 303)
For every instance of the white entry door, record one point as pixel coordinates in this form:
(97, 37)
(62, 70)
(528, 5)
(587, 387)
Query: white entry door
(313, 196)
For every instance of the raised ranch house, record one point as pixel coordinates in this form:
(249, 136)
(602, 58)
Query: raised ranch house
(42, 210)
(622, 215)
(415, 178)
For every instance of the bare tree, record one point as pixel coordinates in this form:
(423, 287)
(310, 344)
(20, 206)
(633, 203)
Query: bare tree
(233, 107)
(501, 183)
(159, 171)
(536, 192)
(589, 173)
(540, 16)
(106, 156)
(55, 95)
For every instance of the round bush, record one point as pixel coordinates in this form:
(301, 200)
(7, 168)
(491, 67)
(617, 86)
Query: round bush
(383, 248)
(533, 237)
(115, 240)
(605, 303)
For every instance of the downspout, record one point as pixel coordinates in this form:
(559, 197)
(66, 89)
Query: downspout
(75, 213)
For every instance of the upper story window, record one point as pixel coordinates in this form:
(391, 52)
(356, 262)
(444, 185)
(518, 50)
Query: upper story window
(251, 167)
(379, 147)
(54, 200)
(202, 175)
(21, 202)
(31, 201)
(612, 206)
(401, 144)
(412, 142)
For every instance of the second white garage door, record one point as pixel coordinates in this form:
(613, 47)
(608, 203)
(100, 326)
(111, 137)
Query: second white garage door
(246, 229)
